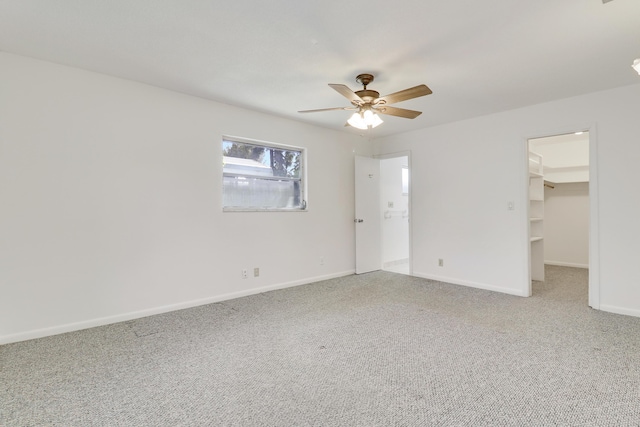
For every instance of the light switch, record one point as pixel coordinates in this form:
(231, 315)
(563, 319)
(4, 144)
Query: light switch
(510, 206)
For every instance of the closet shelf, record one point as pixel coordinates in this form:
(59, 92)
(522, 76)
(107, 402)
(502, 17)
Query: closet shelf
(536, 215)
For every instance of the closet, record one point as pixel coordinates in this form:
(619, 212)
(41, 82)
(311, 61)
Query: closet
(558, 202)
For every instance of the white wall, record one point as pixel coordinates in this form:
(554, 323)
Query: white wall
(111, 202)
(395, 225)
(566, 225)
(459, 205)
(464, 174)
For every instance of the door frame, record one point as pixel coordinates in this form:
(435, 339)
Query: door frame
(407, 154)
(594, 246)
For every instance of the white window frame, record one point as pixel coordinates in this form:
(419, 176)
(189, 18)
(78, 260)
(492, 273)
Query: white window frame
(267, 144)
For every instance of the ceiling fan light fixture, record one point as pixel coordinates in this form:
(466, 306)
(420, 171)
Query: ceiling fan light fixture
(364, 120)
(357, 121)
(375, 120)
(636, 65)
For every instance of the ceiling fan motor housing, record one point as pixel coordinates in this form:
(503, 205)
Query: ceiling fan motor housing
(368, 96)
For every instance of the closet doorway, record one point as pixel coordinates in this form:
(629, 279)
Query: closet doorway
(394, 212)
(559, 202)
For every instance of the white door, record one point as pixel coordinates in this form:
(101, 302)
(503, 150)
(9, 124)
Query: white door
(367, 220)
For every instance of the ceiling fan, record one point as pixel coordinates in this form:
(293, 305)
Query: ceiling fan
(366, 103)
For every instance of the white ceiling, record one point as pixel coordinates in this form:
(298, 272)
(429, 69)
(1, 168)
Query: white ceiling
(478, 57)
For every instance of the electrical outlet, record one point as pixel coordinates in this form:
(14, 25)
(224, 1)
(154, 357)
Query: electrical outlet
(389, 204)
(440, 262)
(245, 273)
(256, 272)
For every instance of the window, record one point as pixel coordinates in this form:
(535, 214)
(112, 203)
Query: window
(261, 176)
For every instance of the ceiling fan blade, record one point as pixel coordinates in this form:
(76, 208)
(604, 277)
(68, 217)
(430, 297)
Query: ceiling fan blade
(327, 109)
(403, 95)
(347, 93)
(399, 112)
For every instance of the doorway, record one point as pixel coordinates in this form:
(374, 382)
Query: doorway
(394, 202)
(559, 202)
(383, 206)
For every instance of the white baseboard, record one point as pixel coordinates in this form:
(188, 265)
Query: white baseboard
(566, 264)
(620, 310)
(510, 291)
(395, 262)
(91, 323)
